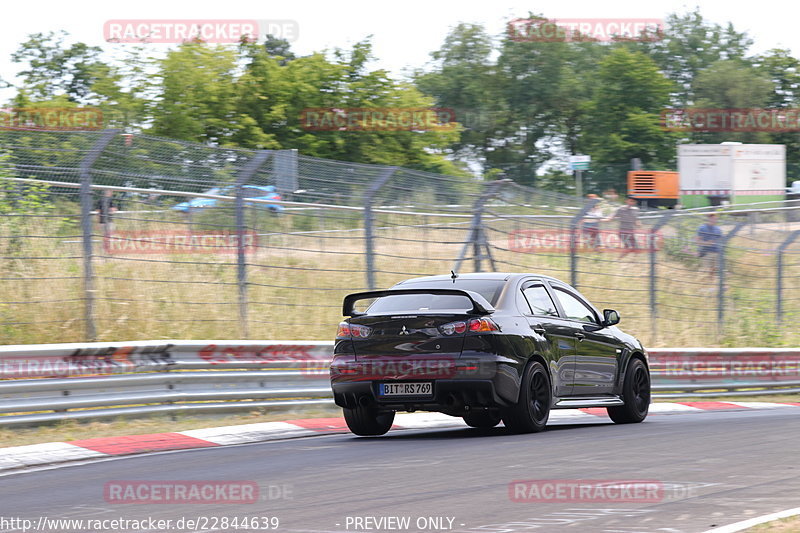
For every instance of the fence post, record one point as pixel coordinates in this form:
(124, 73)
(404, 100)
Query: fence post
(475, 238)
(660, 223)
(369, 244)
(721, 291)
(573, 239)
(86, 227)
(241, 226)
(779, 281)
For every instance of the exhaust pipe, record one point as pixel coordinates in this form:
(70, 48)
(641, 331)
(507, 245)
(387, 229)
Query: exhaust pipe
(364, 401)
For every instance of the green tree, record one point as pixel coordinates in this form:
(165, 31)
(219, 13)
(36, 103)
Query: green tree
(196, 97)
(463, 79)
(783, 71)
(731, 84)
(272, 96)
(122, 90)
(54, 69)
(690, 44)
(624, 118)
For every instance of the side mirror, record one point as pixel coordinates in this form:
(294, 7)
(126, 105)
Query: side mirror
(610, 317)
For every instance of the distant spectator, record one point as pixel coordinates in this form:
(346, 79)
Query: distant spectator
(611, 195)
(708, 240)
(591, 222)
(628, 216)
(106, 207)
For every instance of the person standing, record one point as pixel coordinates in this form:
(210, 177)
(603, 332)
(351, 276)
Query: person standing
(105, 210)
(591, 222)
(628, 216)
(708, 240)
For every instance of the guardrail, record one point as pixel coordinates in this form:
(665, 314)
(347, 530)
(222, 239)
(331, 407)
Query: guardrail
(49, 383)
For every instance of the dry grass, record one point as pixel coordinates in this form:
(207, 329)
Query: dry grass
(787, 525)
(297, 281)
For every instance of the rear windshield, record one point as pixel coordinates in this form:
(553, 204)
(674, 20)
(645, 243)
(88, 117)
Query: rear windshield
(437, 303)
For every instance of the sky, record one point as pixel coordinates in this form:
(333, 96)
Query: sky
(404, 32)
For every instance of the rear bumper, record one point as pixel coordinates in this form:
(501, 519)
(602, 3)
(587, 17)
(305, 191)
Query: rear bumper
(459, 383)
(449, 396)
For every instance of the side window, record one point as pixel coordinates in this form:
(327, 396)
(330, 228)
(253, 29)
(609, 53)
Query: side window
(539, 300)
(574, 308)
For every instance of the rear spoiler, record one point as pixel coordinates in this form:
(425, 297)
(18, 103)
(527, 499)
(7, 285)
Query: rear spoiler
(479, 304)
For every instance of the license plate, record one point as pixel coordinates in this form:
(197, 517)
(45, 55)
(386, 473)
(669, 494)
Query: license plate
(406, 389)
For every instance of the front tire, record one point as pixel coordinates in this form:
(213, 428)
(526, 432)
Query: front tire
(367, 421)
(482, 420)
(530, 413)
(636, 392)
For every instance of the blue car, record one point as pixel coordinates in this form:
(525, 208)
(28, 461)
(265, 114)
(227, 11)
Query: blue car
(250, 191)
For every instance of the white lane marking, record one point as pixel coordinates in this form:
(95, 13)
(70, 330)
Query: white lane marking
(572, 415)
(670, 407)
(744, 524)
(434, 420)
(40, 454)
(426, 420)
(248, 432)
(762, 405)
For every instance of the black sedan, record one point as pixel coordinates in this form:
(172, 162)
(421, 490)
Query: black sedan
(485, 347)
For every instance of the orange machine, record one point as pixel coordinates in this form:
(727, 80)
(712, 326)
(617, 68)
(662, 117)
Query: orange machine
(653, 188)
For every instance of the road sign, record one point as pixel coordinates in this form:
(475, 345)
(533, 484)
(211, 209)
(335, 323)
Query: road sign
(579, 162)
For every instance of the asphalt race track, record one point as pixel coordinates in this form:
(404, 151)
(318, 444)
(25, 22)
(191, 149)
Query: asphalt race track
(712, 468)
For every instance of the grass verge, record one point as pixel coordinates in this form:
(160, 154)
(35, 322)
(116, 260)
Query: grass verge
(785, 525)
(73, 430)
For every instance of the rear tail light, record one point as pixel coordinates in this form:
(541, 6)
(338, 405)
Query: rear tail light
(477, 325)
(454, 328)
(357, 330)
(344, 331)
(347, 331)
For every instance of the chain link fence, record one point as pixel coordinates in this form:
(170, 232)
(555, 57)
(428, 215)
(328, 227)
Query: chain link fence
(109, 236)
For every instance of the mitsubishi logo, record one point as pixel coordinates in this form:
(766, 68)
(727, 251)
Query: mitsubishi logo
(404, 331)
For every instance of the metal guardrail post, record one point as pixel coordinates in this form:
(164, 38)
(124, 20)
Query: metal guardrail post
(721, 294)
(475, 237)
(369, 244)
(241, 262)
(573, 239)
(779, 274)
(660, 223)
(86, 227)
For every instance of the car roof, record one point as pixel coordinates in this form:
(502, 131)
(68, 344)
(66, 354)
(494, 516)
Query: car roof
(500, 276)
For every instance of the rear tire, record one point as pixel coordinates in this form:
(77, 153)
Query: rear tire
(530, 413)
(482, 419)
(636, 392)
(367, 421)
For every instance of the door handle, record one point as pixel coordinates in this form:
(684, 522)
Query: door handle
(538, 329)
(580, 336)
